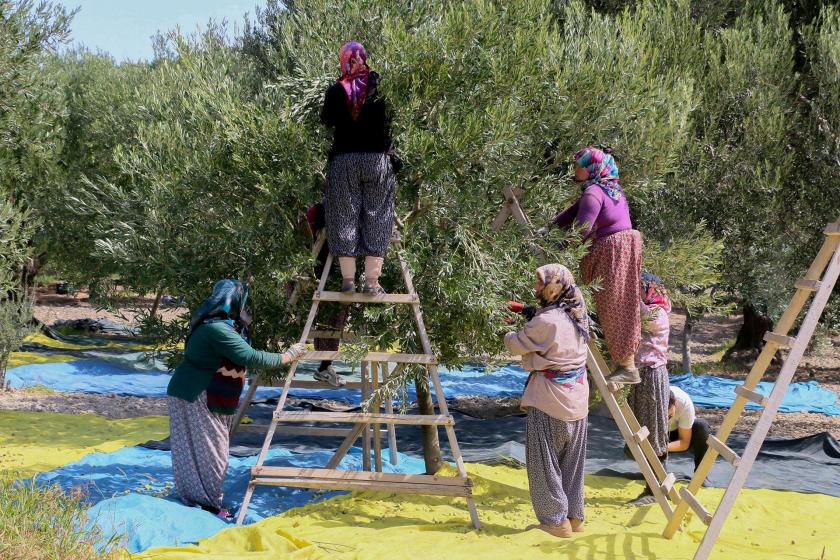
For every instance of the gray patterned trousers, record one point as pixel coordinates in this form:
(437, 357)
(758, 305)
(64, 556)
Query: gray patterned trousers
(360, 204)
(200, 443)
(555, 451)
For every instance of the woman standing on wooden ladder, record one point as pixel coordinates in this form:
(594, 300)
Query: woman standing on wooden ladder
(204, 393)
(360, 178)
(614, 259)
(553, 349)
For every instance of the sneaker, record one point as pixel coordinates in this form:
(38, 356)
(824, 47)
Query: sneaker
(645, 498)
(625, 376)
(348, 286)
(329, 375)
(375, 290)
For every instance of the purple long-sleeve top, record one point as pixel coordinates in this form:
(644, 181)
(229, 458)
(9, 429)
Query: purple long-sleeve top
(597, 213)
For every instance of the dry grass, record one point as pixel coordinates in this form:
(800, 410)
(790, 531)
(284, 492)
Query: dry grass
(44, 523)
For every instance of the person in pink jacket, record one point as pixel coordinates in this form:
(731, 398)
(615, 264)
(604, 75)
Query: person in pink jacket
(553, 348)
(649, 399)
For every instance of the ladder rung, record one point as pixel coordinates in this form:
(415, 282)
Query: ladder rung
(668, 484)
(779, 340)
(429, 488)
(320, 355)
(303, 431)
(724, 450)
(805, 284)
(832, 229)
(356, 297)
(337, 474)
(698, 508)
(641, 435)
(753, 396)
(307, 384)
(363, 418)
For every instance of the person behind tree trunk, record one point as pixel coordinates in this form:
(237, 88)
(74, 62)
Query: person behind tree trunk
(687, 432)
(649, 399)
(556, 398)
(204, 393)
(360, 177)
(615, 257)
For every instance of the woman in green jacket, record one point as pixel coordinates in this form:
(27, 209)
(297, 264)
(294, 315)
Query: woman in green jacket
(204, 393)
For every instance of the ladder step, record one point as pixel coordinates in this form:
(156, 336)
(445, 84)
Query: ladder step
(306, 384)
(641, 435)
(303, 430)
(724, 451)
(832, 229)
(363, 418)
(805, 284)
(361, 480)
(614, 387)
(753, 396)
(365, 298)
(698, 508)
(668, 484)
(320, 355)
(780, 340)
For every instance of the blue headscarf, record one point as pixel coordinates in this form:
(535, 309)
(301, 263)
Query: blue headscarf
(226, 304)
(601, 169)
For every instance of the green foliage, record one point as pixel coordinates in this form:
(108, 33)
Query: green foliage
(15, 326)
(45, 523)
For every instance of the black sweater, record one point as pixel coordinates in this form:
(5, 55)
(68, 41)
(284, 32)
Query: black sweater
(370, 133)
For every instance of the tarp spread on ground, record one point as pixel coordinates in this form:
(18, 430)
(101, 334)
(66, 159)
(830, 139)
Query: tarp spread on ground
(779, 465)
(708, 391)
(124, 369)
(32, 442)
(764, 524)
(132, 492)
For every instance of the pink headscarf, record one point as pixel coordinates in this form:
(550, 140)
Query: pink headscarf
(354, 82)
(654, 292)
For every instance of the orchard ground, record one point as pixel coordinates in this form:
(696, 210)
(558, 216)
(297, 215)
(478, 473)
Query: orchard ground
(711, 337)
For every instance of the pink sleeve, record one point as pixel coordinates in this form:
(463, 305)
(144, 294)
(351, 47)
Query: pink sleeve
(590, 206)
(535, 337)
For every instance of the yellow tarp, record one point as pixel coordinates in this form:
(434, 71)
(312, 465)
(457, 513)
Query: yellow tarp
(766, 524)
(27, 358)
(38, 441)
(44, 340)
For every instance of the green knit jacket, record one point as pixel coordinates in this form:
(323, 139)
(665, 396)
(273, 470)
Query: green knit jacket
(203, 356)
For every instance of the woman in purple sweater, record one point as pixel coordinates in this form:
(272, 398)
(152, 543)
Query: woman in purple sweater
(614, 258)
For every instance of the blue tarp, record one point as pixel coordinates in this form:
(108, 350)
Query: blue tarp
(708, 391)
(128, 375)
(130, 491)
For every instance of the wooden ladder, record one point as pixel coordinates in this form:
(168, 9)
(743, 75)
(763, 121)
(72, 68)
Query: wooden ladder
(333, 478)
(819, 281)
(635, 435)
(661, 483)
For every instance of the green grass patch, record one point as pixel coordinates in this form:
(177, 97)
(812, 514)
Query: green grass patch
(45, 523)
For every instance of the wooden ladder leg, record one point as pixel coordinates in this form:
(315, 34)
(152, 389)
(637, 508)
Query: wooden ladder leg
(762, 427)
(647, 449)
(375, 369)
(453, 441)
(366, 428)
(392, 432)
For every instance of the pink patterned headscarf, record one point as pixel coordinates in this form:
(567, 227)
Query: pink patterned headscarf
(560, 290)
(354, 81)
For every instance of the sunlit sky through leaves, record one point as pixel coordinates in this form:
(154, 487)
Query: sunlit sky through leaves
(124, 28)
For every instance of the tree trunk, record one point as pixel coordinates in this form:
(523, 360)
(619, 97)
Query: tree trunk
(686, 341)
(750, 339)
(156, 304)
(431, 444)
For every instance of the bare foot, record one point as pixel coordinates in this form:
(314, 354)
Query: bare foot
(577, 525)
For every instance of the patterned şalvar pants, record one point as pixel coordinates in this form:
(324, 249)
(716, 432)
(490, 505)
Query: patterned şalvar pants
(649, 401)
(555, 451)
(616, 260)
(200, 442)
(360, 204)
